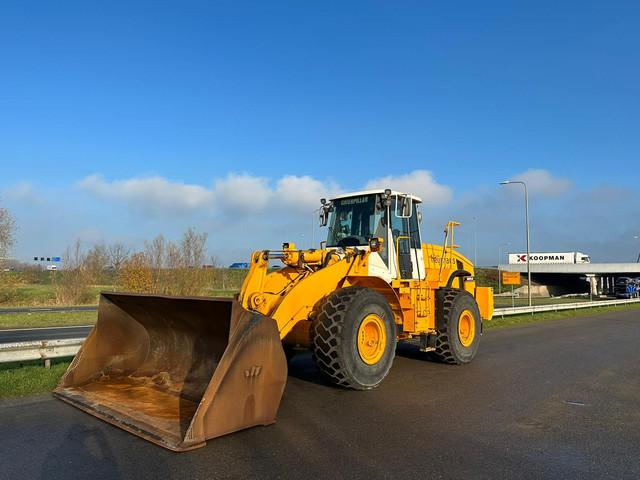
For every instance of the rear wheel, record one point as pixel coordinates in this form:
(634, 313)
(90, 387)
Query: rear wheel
(459, 326)
(354, 338)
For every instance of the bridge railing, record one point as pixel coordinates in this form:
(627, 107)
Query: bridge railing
(503, 312)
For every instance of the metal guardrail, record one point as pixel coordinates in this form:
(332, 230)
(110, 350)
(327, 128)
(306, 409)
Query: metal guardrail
(502, 312)
(39, 350)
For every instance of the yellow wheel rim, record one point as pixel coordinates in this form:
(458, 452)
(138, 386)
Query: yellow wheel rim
(372, 338)
(466, 328)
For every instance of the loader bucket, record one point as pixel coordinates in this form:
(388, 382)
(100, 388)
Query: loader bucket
(177, 370)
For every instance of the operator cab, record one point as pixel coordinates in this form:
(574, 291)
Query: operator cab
(355, 218)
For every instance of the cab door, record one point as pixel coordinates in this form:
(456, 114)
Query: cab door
(406, 258)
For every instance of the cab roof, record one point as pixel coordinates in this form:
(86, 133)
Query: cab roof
(415, 198)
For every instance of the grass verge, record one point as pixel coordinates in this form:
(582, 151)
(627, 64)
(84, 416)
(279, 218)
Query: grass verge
(29, 378)
(46, 319)
(514, 320)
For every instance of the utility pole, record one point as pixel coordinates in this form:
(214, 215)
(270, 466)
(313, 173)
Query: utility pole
(526, 220)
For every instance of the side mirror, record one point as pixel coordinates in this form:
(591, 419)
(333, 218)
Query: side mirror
(324, 217)
(404, 205)
(325, 209)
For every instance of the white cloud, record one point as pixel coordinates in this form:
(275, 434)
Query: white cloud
(278, 209)
(242, 193)
(155, 193)
(22, 192)
(304, 193)
(541, 181)
(418, 182)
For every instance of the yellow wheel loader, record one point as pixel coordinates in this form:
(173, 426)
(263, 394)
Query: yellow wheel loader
(178, 370)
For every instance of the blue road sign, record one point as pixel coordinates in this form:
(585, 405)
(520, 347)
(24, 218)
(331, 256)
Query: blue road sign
(55, 259)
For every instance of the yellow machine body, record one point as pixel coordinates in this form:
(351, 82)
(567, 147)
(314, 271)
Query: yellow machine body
(180, 370)
(290, 294)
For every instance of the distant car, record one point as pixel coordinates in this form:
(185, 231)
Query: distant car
(239, 265)
(52, 267)
(626, 287)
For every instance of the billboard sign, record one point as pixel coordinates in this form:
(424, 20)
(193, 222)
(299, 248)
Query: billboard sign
(548, 257)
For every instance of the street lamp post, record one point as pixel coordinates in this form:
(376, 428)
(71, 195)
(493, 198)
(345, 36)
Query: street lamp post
(637, 237)
(526, 219)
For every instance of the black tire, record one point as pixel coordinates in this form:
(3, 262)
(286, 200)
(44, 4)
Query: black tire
(335, 336)
(450, 305)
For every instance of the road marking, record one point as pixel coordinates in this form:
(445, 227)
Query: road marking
(43, 328)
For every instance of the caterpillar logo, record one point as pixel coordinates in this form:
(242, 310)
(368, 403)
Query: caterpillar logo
(253, 371)
(354, 201)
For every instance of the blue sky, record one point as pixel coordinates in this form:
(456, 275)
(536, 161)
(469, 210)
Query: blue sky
(120, 120)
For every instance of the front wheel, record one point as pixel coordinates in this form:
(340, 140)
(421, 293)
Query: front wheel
(354, 338)
(459, 326)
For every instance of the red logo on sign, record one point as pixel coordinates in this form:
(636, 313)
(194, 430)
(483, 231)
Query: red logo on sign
(522, 258)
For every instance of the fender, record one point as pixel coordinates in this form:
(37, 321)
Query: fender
(457, 274)
(383, 288)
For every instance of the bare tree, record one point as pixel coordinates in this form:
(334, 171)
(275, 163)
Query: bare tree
(7, 233)
(193, 248)
(118, 254)
(96, 261)
(168, 267)
(155, 251)
(72, 287)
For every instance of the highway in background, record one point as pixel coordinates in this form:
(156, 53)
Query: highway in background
(54, 333)
(79, 308)
(550, 400)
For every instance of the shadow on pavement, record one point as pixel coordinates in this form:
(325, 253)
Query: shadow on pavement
(91, 456)
(412, 351)
(302, 367)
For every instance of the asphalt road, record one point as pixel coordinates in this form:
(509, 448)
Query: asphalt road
(557, 400)
(79, 308)
(56, 333)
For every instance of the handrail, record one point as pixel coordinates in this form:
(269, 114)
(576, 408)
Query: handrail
(398, 253)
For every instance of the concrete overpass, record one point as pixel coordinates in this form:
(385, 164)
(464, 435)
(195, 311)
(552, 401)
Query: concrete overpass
(599, 277)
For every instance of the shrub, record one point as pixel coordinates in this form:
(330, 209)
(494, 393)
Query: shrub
(135, 274)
